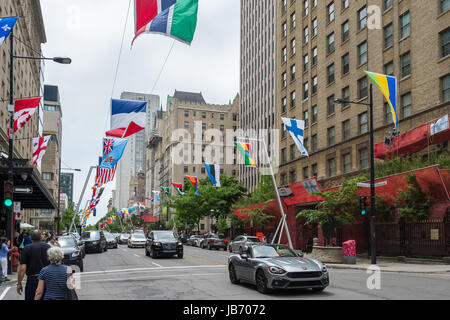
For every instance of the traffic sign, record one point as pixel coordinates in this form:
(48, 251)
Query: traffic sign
(18, 216)
(23, 190)
(367, 185)
(17, 207)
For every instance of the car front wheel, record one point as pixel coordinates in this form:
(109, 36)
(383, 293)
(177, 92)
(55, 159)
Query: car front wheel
(232, 274)
(180, 255)
(261, 282)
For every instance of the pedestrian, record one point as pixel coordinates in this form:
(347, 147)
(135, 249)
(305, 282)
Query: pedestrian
(52, 241)
(26, 239)
(264, 240)
(53, 278)
(4, 250)
(32, 260)
(271, 238)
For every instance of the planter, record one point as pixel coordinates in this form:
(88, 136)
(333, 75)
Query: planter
(327, 254)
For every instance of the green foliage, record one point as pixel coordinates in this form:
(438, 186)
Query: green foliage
(256, 216)
(339, 206)
(384, 209)
(264, 192)
(222, 224)
(413, 204)
(67, 216)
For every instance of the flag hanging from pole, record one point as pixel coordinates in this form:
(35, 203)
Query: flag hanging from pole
(104, 176)
(388, 86)
(166, 190)
(193, 181)
(6, 26)
(127, 118)
(174, 18)
(113, 149)
(23, 111)
(39, 148)
(245, 148)
(178, 187)
(213, 171)
(297, 130)
(156, 193)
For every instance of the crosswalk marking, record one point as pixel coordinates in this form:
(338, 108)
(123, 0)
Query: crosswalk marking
(4, 293)
(150, 269)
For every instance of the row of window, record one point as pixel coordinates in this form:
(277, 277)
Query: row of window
(203, 170)
(222, 115)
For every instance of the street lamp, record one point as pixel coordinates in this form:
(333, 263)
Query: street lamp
(372, 174)
(9, 210)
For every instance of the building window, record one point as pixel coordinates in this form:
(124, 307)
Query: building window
(331, 135)
(293, 176)
(345, 31)
(204, 126)
(330, 73)
(283, 105)
(314, 170)
(314, 56)
(293, 99)
(330, 105)
(293, 20)
(284, 32)
(445, 85)
(48, 176)
(406, 105)
(346, 96)
(283, 179)
(293, 46)
(305, 7)
(305, 35)
(222, 128)
(346, 163)
(363, 158)
(292, 150)
(283, 156)
(405, 62)
(203, 170)
(186, 169)
(330, 40)
(314, 27)
(363, 123)
(49, 108)
(362, 53)
(330, 11)
(314, 114)
(362, 18)
(305, 63)
(283, 55)
(284, 80)
(388, 35)
(204, 115)
(186, 114)
(305, 90)
(331, 167)
(445, 5)
(362, 88)
(314, 143)
(346, 130)
(387, 114)
(314, 87)
(222, 116)
(445, 42)
(293, 72)
(345, 4)
(387, 4)
(389, 68)
(186, 124)
(404, 25)
(305, 173)
(345, 63)
(306, 117)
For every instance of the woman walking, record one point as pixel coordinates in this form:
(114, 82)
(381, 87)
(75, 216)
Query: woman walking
(53, 278)
(4, 250)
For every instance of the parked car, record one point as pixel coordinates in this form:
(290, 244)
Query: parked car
(94, 241)
(163, 243)
(183, 238)
(276, 267)
(200, 240)
(192, 240)
(79, 243)
(123, 239)
(111, 241)
(213, 240)
(116, 235)
(238, 244)
(72, 253)
(136, 240)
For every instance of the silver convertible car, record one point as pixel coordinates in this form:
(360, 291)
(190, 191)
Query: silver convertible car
(276, 266)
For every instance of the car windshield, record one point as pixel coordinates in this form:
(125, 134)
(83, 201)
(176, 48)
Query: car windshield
(138, 236)
(125, 235)
(253, 239)
(76, 235)
(66, 242)
(95, 235)
(167, 236)
(272, 251)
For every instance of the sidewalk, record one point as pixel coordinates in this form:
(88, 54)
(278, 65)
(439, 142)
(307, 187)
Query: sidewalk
(12, 280)
(387, 265)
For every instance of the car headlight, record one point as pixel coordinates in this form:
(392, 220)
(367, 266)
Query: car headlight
(324, 269)
(95, 242)
(277, 270)
(75, 254)
(158, 244)
(179, 243)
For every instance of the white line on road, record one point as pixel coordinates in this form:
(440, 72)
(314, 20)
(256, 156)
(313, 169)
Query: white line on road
(137, 255)
(150, 277)
(157, 265)
(149, 269)
(4, 293)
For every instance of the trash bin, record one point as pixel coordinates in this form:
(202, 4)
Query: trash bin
(349, 252)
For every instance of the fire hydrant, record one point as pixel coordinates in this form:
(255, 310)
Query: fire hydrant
(15, 258)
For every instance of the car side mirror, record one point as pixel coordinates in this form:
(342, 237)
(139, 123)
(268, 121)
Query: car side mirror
(244, 256)
(79, 243)
(299, 253)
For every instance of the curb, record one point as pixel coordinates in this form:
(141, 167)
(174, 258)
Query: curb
(351, 267)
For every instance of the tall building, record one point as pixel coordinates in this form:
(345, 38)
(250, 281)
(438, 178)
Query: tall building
(190, 133)
(133, 160)
(67, 185)
(323, 49)
(257, 76)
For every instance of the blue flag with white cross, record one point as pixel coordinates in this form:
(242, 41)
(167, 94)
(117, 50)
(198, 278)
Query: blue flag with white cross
(297, 130)
(6, 26)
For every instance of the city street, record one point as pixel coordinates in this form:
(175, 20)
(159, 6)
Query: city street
(127, 274)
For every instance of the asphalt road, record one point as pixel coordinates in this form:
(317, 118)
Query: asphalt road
(127, 274)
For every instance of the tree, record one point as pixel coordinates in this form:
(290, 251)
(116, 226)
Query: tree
(222, 224)
(256, 217)
(413, 204)
(264, 192)
(67, 217)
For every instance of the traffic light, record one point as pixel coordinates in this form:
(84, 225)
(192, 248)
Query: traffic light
(8, 189)
(363, 204)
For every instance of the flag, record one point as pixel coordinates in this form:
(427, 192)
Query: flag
(245, 148)
(6, 26)
(141, 205)
(178, 187)
(23, 111)
(440, 125)
(193, 181)
(214, 174)
(156, 193)
(297, 130)
(113, 149)
(119, 213)
(127, 118)
(166, 190)
(39, 148)
(388, 86)
(105, 175)
(174, 18)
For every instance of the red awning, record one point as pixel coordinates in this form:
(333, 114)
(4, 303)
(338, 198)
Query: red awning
(150, 219)
(301, 196)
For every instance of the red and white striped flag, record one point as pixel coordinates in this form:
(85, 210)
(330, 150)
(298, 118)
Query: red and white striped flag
(39, 148)
(105, 175)
(23, 111)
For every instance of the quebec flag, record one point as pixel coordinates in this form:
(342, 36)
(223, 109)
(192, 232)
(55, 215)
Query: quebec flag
(297, 129)
(6, 26)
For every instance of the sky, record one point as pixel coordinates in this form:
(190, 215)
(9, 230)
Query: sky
(90, 33)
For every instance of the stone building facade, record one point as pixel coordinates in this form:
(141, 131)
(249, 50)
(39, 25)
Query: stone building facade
(323, 49)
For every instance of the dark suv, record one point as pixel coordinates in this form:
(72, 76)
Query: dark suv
(213, 240)
(163, 243)
(72, 252)
(94, 241)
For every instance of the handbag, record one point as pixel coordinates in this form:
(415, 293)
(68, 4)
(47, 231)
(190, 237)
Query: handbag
(21, 245)
(70, 293)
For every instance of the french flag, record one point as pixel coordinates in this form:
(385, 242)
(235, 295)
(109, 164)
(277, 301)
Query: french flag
(127, 118)
(146, 11)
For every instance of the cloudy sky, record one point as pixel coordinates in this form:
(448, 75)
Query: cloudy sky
(90, 32)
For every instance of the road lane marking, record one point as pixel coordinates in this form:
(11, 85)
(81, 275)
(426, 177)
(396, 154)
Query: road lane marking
(160, 266)
(4, 293)
(147, 269)
(137, 255)
(204, 260)
(150, 277)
